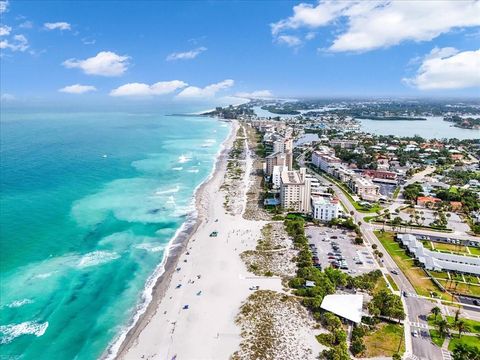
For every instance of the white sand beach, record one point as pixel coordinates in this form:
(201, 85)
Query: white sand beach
(193, 315)
(214, 282)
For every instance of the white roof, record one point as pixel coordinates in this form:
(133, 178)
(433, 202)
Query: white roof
(347, 306)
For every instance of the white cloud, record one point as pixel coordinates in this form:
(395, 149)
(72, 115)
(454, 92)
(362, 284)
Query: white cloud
(206, 92)
(19, 43)
(258, 94)
(58, 26)
(382, 23)
(447, 68)
(7, 97)
(140, 89)
(3, 6)
(307, 15)
(105, 63)
(78, 89)
(289, 40)
(5, 30)
(187, 55)
(26, 25)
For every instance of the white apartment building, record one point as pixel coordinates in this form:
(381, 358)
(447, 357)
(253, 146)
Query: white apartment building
(295, 190)
(325, 208)
(324, 161)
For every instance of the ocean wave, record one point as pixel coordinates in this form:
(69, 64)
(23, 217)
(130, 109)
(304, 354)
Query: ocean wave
(150, 247)
(168, 191)
(193, 171)
(18, 303)
(96, 258)
(12, 331)
(177, 168)
(183, 159)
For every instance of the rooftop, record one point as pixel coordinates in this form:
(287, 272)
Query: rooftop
(347, 306)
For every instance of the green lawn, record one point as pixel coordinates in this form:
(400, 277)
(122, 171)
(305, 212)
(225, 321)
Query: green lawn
(461, 288)
(392, 283)
(473, 326)
(474, 250)
(417, 277)
(439, 275)
(386, 340)
(459, 249)
(468, 340)
(436, 338)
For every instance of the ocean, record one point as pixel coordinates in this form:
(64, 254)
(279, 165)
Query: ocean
(89, 202)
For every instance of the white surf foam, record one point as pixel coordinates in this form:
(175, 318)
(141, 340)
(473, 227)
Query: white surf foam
(18, 303)
(96, 258)
(183, 159)
(12, 331)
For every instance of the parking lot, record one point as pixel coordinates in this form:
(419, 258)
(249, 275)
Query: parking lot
(335, 247)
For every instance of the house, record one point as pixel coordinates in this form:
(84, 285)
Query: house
(455, 205)
(426, 200)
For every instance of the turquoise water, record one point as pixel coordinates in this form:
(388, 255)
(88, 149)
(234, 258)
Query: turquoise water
(89, 202)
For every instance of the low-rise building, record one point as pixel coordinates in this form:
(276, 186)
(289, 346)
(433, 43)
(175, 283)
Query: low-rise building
(439, 261)
(364, 188)
(325, 208)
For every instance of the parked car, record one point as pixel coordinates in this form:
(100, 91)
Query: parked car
(395, 272)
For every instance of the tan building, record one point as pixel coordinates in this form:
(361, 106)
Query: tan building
(295, 190)
(365, 188)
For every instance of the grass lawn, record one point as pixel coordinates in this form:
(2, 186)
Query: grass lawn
(392, 283)
(468, 340)
(461, 288)
(380, 285)
(436, 338)
(417, 277)
(473, 326)
(474, 250)
(439, 275)
(385, 341)
(461, 249)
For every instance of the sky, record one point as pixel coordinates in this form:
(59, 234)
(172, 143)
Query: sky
(207, 50)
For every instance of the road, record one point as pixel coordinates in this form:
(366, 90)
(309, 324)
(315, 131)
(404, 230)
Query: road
(416, 307)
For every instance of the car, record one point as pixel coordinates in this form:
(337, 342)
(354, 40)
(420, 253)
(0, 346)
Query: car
(405, 294)
(315, 258)
(331, 257)
(330, 254)
(311, 245)
(415, 333)
(395, 272)
(476, 302)
(334, 237)
(359, 262)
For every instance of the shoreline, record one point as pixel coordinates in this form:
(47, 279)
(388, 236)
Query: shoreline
(176, 247)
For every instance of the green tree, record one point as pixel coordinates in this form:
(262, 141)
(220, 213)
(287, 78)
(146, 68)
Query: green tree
(435, 311)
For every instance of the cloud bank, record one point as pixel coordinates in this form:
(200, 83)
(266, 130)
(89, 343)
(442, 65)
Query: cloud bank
(57, 26)
(209, 91)
(77, 89)
(447, 68)
(140, 89)
(379, 24)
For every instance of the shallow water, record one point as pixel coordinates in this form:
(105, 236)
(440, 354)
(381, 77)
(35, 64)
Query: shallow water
(89, 203)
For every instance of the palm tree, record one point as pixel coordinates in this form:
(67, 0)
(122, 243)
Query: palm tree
(442, 327)
(435, 311)
(457, 314)
(461, 326)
